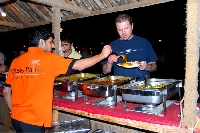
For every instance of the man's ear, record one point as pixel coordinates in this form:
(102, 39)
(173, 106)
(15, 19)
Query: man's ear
(132, 25)
(41, 43)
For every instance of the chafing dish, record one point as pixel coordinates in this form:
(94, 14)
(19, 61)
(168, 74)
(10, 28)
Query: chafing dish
(150, 93)
(81, 125)
(70, 83)
(103, 87)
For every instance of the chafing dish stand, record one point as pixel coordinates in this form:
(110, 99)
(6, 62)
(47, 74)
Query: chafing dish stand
(72, 88)
(110, 100)
(154, 101)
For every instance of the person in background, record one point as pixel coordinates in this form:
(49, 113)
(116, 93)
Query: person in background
(22, 51)
(85, 53)
(2, 58)
(68, 48)
(10, 57)
(135, 47)
(31, 79)
(3, 68)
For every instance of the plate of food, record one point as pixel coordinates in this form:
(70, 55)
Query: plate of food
(129, 64)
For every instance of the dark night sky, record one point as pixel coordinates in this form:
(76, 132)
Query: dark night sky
(164, 21)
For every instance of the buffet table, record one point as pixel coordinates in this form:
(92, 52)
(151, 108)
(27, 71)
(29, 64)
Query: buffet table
(118, 115)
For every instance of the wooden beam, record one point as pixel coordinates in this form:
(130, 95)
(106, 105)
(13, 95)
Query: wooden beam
(18, 13)
(38, 24)
(11, 24)
(142, 3)
(115, 9)
(38, 11)
(63, 5)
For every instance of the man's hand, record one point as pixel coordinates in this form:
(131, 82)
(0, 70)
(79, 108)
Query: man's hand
(106, 51)
(113, 58)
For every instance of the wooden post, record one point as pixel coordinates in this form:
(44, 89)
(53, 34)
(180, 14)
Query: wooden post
(56, 18)
(192, 59)
(55, 115)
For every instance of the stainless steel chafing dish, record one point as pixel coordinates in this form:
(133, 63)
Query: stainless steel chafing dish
(103, 87)
(81, 125)
(70, 83)
(151, 92)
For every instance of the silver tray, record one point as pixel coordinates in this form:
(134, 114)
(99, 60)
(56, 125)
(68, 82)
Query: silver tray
(150, 95)
(103, 86)
(102, 131)
(74, 126)
(70, 82)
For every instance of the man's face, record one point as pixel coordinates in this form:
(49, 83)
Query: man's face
(65, 46)
(49, 45)
(124, 30)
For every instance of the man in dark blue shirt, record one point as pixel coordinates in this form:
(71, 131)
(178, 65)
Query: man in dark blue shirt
(136, 48)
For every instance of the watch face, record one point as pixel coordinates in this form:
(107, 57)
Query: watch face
(149, 68)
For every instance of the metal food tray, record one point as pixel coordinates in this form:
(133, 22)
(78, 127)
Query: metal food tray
(102, 131)
(72, 81)
(150, 95)
(77, 77)
(74, 126)
(103, 86)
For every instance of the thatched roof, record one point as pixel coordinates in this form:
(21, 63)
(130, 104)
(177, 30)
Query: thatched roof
(29, 13)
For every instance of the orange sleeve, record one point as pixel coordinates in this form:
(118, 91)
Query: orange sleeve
(60, 65)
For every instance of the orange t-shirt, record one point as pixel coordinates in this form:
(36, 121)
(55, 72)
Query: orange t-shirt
(31, 77)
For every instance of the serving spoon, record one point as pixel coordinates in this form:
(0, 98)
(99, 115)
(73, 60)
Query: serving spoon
(124, 57)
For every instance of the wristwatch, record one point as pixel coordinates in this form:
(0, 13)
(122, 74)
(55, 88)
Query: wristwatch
(149, 67)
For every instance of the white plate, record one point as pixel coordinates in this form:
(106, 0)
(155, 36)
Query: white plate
(130, 66)
(134, 64)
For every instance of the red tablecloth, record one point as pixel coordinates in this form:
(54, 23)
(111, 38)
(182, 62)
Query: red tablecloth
(170, 119)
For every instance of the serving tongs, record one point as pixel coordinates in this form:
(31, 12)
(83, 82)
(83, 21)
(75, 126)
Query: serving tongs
(124, 57)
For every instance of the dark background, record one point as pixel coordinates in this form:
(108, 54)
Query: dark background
(164, 21)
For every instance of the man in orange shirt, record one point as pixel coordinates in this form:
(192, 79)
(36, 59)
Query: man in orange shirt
(31, 79)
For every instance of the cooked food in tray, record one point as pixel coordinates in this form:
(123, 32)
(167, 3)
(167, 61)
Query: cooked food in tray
(75, 77)
(149, 86)
(110, 80)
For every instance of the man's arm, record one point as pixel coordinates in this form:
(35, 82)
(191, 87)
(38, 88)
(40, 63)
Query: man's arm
(88, 62)
(7, 96)
(150, 67)
(106, 68)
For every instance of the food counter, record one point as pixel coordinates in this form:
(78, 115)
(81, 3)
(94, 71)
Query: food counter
(118, 115)
(102, 102)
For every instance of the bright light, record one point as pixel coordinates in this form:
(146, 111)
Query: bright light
(3, 14)
(159, 40)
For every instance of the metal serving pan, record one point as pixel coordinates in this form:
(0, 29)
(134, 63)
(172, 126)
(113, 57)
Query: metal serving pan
(73, 126)
(152, 93)
(69, 82)
(103, 86)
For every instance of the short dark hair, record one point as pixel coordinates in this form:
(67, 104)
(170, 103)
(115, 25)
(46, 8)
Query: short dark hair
(123, 17)
(66, 38)
(37, 34)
